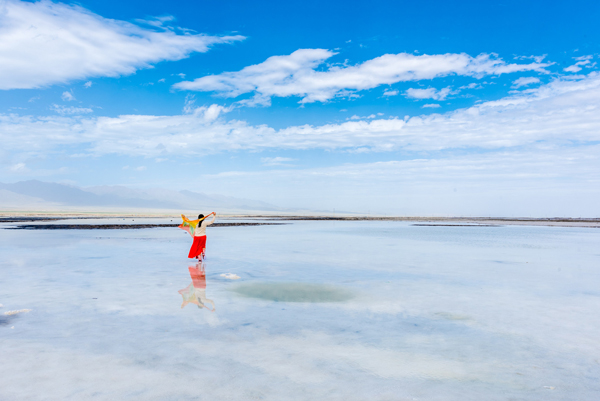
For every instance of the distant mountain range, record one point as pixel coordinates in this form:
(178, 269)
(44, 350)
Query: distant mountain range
(41, 195)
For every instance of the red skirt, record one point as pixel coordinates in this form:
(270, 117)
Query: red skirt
(197, 247)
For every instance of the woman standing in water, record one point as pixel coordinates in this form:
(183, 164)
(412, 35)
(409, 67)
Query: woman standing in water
(199, 234)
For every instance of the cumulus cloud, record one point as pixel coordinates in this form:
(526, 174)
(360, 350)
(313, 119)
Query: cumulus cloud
(524, 81)
(564, 110)
(431, 106)
(388, 92)
(44, 43)
(429, 93)
(297, 75)
(88, 84)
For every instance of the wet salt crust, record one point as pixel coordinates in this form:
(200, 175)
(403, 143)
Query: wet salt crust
(435, 313)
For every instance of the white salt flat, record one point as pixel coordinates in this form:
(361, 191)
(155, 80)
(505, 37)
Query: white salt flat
(230, 276)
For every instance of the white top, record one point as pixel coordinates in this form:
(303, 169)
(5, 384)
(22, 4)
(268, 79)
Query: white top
(201, 229)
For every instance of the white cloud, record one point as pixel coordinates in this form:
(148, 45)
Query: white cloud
(582, 60)
(19, 168)
(45, 43)
(296, 74)
(141, 168)
(388, 92)
(572, 68)
(524, 81)
(276, 161)
(472, 85)
(431, 106)
(369, 117)
(429, 93)
(537, 59)
(64, 110)
(562, 111)
(161, 80)
(88, 84)
(67, 96)
(190, 104)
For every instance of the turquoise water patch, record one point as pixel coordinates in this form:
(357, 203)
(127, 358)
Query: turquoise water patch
(294, 292)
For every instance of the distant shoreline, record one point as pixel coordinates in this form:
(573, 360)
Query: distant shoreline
(424, 221)
(122, 226)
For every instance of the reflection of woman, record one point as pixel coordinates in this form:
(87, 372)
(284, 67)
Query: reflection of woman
(199, 244)
(195, 293)
(198, 275)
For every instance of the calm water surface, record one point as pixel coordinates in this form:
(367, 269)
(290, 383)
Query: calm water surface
(321, 310)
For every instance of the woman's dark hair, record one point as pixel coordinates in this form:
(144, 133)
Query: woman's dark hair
(200, 216)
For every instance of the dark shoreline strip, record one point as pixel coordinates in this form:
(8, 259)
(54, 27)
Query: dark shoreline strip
(457, 225)
(123, 226)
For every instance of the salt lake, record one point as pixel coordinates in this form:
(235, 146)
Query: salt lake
(310, 310)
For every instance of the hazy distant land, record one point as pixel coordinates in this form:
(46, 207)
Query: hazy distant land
(29, 201)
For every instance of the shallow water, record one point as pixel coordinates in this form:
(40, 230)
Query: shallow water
(426, 313)
(293, 292)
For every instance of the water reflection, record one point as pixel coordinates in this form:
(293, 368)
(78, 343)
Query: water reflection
(195, 293)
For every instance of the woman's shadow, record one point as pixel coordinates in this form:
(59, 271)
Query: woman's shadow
(195, 293)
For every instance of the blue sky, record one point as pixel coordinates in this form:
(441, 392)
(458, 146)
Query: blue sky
(477, 108)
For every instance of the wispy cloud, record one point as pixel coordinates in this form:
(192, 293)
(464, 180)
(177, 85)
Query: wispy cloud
(537, 59)
(581, 61)
(369, 117)
(429, 93)
(68, 96)
(44, 43)
(297, 75)
(524, 81)
(19, 168)
(473, 85)
(431, 106)
(65, 110)
(276, 161)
